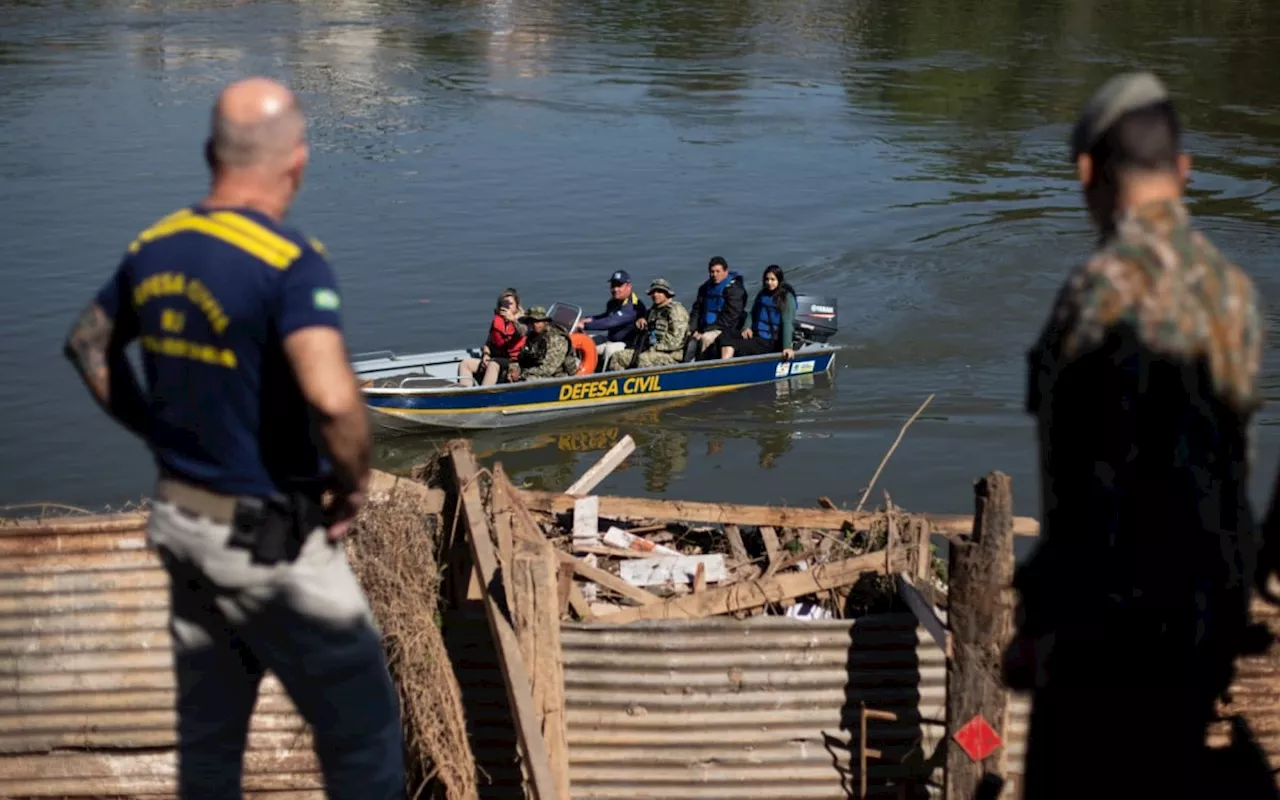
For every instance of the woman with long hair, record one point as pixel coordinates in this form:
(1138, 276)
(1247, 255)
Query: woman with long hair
(507, 335)
(770, 325)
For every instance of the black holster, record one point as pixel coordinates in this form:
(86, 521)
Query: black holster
(274, 528)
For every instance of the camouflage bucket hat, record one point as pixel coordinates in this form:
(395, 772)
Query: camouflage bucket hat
(661, 285)
(536, 314)
(1121, 94)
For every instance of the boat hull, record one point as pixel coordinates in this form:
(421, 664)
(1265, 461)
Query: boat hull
(409, 408)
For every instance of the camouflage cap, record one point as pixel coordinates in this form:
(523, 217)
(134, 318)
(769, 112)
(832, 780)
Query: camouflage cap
(1115, 98)
(661, 285)
(536, 314)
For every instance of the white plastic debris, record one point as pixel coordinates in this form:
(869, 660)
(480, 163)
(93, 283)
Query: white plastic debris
(672, 569)
(807, 609)
(627, 541)
(586, 521)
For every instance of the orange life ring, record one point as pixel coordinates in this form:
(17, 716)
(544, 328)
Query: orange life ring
(585, 347)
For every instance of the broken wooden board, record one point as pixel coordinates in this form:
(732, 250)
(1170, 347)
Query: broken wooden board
(383, 486)
(925, 612)
(737, 548)
(535, 616)
(733, 514)
(526, 527)
(533, 746)
(753, 594)
(772, 548)
(608, 580)
(602, 468)
(673, 569)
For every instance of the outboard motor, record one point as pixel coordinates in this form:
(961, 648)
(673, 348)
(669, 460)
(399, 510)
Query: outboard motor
(815, 319)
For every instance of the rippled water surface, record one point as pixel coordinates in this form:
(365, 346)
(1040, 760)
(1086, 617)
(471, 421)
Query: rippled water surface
(904, 156)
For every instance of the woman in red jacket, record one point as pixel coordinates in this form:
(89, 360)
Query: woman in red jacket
(506, 338)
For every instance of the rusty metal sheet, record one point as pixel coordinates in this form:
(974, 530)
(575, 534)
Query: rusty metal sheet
(85, 663)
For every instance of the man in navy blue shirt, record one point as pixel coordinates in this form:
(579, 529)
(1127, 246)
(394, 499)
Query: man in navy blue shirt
(619, 318)
(253, 415)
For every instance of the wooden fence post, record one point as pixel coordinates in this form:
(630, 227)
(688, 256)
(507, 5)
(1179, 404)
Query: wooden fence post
(980, 617)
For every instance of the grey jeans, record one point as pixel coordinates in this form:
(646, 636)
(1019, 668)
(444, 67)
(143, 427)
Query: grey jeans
(306, 621)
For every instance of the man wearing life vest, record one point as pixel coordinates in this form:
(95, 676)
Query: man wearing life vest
(770, 325)
(619, 318)
(719, 308)
(548, 353)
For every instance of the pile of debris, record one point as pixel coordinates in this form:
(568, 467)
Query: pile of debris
(627, 559)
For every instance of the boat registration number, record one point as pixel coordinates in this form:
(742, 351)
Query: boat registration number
(590, 390)
(793, 368)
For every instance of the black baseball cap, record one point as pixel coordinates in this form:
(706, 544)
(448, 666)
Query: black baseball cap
(620, 277)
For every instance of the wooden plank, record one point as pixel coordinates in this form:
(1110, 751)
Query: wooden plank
(602, 468)
(503, 526)
(535, 613)
(925, 612)
(924, 555)
(536, 758)
(772, 547)
(733, 514)
(737, 548)
(753, 594)
(980, 616)
(700, 578)
(564, 582)
(609, 581)
(384, 486)
(577, 600)
(526, 527)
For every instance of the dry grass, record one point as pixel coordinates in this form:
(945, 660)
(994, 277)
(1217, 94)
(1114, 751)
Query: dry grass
(393, 552)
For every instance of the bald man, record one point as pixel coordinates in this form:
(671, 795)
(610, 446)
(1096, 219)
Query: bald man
(254, 419)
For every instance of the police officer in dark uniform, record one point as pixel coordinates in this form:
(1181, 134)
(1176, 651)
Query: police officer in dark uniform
(262, 443)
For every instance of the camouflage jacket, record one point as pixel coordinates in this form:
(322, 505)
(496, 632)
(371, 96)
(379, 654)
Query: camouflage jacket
(668, 325)
(1144, 383)
(548, 356)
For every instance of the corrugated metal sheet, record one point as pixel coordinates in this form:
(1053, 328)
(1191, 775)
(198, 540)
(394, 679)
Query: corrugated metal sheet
(760, 708)
(86, 684)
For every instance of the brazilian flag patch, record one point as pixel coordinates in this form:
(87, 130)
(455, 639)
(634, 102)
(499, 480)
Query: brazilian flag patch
(325, 299)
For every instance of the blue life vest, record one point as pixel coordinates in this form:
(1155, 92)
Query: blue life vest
(766, 317)
(713, 298)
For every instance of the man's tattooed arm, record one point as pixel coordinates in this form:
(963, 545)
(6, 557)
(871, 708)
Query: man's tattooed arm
(92, 349)
(86, 347)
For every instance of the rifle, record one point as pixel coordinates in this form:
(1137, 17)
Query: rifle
(640, 346)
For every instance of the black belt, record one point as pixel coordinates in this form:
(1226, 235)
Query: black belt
(270, 528)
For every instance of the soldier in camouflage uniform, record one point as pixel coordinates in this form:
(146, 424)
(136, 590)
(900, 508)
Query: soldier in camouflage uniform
(668, 324)
(547, 354)
(1143, 382)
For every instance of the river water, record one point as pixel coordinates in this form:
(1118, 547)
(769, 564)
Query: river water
(904, 156)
